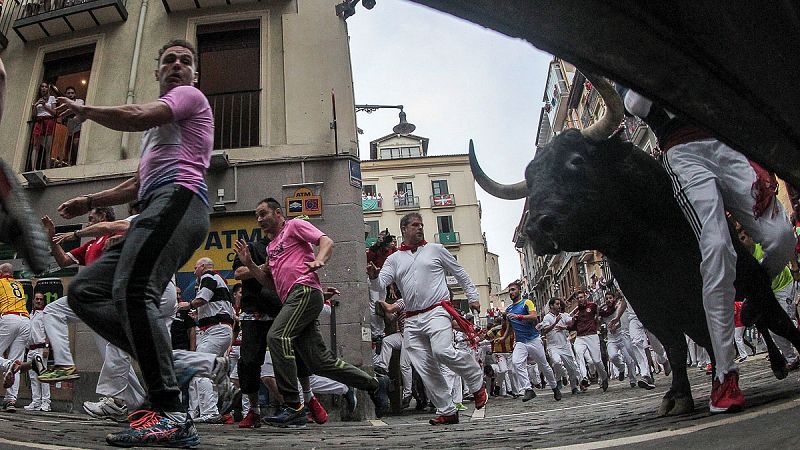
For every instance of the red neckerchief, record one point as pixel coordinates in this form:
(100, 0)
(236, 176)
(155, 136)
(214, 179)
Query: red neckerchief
(466, 326)
(413, 248)
(7, 276)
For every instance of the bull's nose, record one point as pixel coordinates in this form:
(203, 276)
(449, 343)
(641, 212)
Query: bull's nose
(541, 224)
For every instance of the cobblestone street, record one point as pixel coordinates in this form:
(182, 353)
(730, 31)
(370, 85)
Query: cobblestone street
(622, 416)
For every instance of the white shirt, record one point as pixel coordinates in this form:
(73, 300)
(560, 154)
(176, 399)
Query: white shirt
(556, 338)
(212, 308)
(41, 112)
(421, 276)
(37, 334)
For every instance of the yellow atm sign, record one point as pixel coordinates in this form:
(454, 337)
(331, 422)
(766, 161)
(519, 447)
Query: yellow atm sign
(222, 233)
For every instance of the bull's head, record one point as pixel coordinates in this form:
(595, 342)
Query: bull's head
(569, 183)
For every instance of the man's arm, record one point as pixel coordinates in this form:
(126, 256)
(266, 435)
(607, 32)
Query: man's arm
(260, 273)
(61, 257)
(323, 255)
(124, 117)
(121, 193)
(452, 266)
(531, 316)
(96, 230)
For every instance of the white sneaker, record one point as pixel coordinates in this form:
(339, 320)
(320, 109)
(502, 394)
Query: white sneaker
(33, 407)
(107, 408)
(45, 407)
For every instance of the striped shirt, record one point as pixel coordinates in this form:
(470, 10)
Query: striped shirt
(12, 296)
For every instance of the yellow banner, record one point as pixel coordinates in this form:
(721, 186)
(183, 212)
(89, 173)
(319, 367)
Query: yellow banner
(222, 233)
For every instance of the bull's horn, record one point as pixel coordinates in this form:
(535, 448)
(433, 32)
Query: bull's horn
(615, 111)
(505, 191)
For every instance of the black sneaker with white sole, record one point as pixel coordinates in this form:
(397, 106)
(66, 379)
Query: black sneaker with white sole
(19, 226)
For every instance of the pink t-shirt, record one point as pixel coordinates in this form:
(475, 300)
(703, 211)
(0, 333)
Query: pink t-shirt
(179, 152)
(287, 253)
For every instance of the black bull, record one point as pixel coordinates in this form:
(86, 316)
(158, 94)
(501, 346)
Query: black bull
(610, 196)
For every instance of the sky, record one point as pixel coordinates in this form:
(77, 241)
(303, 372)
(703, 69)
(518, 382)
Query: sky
(457, 81)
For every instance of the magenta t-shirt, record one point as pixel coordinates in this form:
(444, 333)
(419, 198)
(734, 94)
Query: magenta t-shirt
(288, 251)
(179, 152)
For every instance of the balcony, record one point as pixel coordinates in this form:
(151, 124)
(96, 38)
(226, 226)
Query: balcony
(448, 239)
(182, 5)
(443, 201)
(52, 143)
(370, 241)
(406, 202)
(35, 19)
(235, 118)
(371, 205)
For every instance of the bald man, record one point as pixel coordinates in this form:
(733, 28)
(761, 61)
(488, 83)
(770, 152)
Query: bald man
(214, 335)
(15, 326)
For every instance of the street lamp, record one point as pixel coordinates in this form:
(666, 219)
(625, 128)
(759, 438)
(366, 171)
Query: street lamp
(348, 7)
(403, 128)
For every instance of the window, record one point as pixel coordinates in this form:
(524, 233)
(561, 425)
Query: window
(54, 134)
(445, 224)
(405, 189)
(400, 152)
(229, 63)
(374, 228)
(439, 187)
(369, 191)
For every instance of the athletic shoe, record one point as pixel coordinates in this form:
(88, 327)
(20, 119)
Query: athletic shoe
(584, 383)
(228, 419)
(45, 408)
(530, 394)
(633, 384)
(557, 394)
(10, 378)
(621, 376)
(646, 383)
(287, 417)
(576, 391)
(152, 429)
(445, 420)
(667, 369)
(220, 371)
(741, 359)
(251, 420)
(38, 365)
(229, 396)
(10, 406)
(726, 396)
(32, 407)
(793, 365)
(380, 397)
(604, 385)
(481, 397)
(564, 381)
(317, 411)
(709, 369)
(107, 408)
(460, 407)
(21, 226)
(352, 400)
(212, 419)
(59, 373)
(406, 402)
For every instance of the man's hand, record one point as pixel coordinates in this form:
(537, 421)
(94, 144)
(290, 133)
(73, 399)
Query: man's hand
(243, 252)
(75, 207)
(613, 325)
(58, 238)
(475, 306)
(49, 226)
(372, 271)
(184, 306)
(73, 107)
(314, 265)
(328, 293)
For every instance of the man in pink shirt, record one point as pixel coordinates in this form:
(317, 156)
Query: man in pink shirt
(295, 343)
(119, 295)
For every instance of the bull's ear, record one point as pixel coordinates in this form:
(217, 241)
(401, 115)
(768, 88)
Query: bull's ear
(614, 148)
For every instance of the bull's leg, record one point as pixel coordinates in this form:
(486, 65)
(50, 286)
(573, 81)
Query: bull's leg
(776, 360)
(678, 399)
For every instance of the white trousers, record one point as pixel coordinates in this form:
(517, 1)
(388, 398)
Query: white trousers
(620, 357)
(202, 396)
(40, 392)
(391, 343)
(428, 338)
(658, 350)
(591, 344)
(564, 361)
(504, 373)
(14, 332)
(376, 324)
(638, 335)
(532, 351)
(738, 337)
(785, 298)
(323, 385)
(708, 178)
(454, 384)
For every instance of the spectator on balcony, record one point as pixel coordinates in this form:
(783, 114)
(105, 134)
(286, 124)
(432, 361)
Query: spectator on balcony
(69, 119)
(44, 113)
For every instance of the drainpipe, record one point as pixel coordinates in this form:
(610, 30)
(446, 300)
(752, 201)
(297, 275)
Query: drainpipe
(132, 79)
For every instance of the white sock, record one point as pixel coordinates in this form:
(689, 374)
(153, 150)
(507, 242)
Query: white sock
(308, 395)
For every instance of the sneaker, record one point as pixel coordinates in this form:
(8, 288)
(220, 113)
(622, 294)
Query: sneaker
(45, 407)
(317, 411)
(107, 408)
(621, 376)
(530, 394)
(32, 407)
(59, 373)
(481, 397)
(794, 365)
(215, 419)
(379, 396)
(667, 369)
(21, 226)
(604, 384)
(564, 381)
(709, 369)
(221, 370)
(251, 420)
(584, 383)
(352, 400)
(38, 365)
(741, 359)
(227, 419)
(460, 407)
(557, 394)
(445, 420)
(406, 402)
(633, 384)
(287, 417)
(726, 396)
(646, 383)
(229, 396)
(151, 429)
(576, 391)
(10, 406)
(11, 375)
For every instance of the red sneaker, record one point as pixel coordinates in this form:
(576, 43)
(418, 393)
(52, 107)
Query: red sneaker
(317, 411)
(227, 419)
(251, 420)
(445, 420)
(481, 397)
(726, 396)
(709, 369)
(10, 377)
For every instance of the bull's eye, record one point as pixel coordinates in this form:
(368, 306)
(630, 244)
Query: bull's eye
(575, 162)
